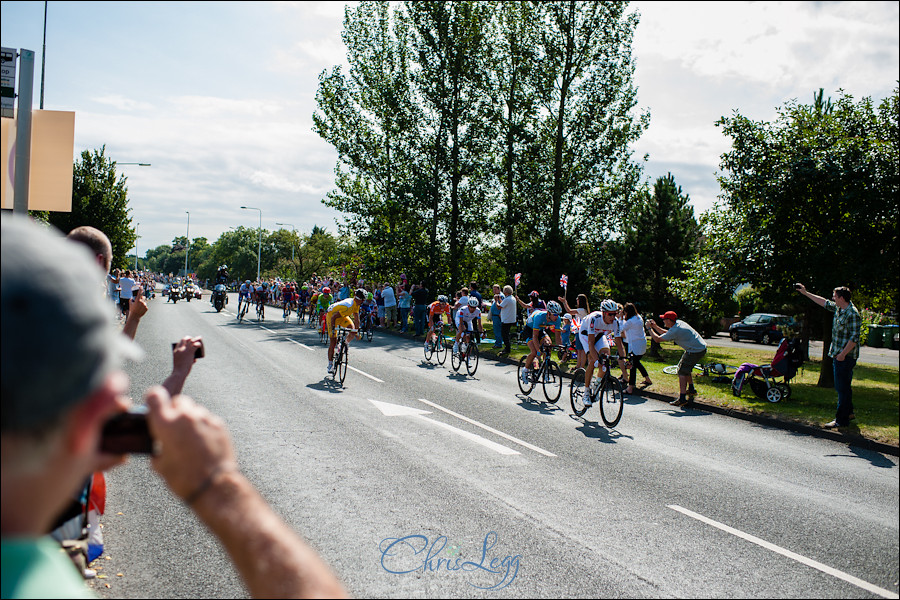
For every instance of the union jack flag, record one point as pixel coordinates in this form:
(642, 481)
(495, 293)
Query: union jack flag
(564, 281)
(518, 278)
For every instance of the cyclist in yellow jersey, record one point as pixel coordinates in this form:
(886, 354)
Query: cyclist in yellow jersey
(344, 313)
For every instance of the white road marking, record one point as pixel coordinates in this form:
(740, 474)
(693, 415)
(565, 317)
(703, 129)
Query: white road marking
(396, 410)
(372, 377)
(488, 428)
(792, 555)
(299, 344)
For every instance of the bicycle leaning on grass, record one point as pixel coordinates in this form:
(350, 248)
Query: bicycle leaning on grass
(605, 391)
(547, 373)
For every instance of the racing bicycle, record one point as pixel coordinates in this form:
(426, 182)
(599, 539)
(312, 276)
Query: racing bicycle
(547, 374)
(468, 353)
(434, 345)
(605, 392)
(342, 350)
(242, 311)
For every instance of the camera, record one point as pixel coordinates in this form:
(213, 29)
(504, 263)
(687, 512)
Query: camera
(199, 352)
(127, 433)
(797, 286)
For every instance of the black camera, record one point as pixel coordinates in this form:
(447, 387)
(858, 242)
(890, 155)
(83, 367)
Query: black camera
(127, 433)
(198, 354)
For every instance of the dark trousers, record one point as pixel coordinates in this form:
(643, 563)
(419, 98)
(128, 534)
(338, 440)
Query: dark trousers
(636, 366)
(420, 315)
(504, 331)
(843, 377)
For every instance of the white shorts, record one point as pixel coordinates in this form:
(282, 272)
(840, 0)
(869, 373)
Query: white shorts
(463, 325)
(600, 342)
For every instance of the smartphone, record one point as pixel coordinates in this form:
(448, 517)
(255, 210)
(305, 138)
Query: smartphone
(200, 353)
(797, 286)
(127, 433)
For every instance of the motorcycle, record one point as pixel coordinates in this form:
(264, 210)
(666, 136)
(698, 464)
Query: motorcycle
(174, 294)
(220, 297)
(188, 292)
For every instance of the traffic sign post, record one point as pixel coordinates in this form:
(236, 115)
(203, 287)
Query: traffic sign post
(8, 81)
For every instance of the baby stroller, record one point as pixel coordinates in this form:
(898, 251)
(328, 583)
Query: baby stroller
(763, 379)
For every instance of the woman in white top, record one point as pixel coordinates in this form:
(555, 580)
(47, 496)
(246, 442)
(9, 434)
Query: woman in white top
(636, 340)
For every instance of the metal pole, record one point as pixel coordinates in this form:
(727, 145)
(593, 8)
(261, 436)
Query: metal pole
(294, 229)
(23, 131)
(136, 237)
(188, 247)
(44, 56)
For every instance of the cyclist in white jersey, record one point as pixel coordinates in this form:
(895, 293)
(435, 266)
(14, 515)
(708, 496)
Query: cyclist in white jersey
(468, 319)
(594, 328)
(244, 293)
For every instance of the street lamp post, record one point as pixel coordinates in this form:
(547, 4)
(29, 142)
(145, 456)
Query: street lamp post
(292, 241)
(188, 247)
(259, 246)
(136, 238)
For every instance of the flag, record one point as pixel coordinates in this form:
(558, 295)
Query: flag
(518, 279)
(564, 281)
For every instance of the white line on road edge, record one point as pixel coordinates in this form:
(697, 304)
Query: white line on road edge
(396, 410)
(373, 378)
(298, 343)
(266, 329)
(792, 555)
(488, 428)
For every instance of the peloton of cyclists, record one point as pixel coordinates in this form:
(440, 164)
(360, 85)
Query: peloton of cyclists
(594, 328)
(468, 320)
(537, 329)
(344, 313)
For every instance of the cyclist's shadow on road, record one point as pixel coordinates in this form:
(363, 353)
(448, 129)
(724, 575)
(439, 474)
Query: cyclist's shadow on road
(538, 406)
(598, 431)
(327, 385)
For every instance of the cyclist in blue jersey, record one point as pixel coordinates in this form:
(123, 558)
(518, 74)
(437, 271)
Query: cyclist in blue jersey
(244, 293)
(537, 329)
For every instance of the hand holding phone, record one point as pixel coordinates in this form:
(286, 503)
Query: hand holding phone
(127, 433)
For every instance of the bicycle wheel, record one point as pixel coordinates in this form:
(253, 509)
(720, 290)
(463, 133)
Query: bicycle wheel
(340, 365)
(525, 386)
(369, 333)
(242, 312)
(286, 315)
(611, 401)
(577, 391)
(552, 382)
(472, 359)
(440, 350)
(671, 370)
(456, 360)
(429, 350)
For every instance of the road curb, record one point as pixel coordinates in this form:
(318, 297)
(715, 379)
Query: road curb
(850, 439)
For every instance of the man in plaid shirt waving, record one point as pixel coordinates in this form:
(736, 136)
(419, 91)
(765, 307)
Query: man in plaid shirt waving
(844, 350)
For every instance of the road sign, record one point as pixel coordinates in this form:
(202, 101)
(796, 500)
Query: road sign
(8, 80)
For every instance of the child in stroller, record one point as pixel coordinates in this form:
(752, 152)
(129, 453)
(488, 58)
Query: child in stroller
(788, 358)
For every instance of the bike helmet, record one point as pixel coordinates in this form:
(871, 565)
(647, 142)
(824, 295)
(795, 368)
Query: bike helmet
(326, 290)
(442, 298)
(361, 294)
(473, 302)
(609, 306)
(247, 282)
(554, 308)
(369, 296)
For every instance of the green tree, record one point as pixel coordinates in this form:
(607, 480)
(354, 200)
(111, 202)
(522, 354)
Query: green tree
(100, 199)
(659, 238)
(810, 197)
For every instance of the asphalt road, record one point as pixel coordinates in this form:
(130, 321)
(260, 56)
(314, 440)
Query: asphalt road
(867, 354)
(537, 502)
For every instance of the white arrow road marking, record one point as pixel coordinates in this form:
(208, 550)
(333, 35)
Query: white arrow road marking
(488, 428)
(792, 555)
(395, 410)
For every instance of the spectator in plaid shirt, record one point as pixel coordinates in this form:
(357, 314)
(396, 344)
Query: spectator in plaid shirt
(844, 350)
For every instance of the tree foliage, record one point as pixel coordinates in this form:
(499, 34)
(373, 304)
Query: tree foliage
(99, 199)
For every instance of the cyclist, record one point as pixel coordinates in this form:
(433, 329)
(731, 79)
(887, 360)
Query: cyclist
(537, 328)
(468, 319)
(365, 311)
(344, 313)
(244, 293)
(594, 329)
(325, 300)
(262, 294)
(303, 297)
(439, 307)
(287, 297)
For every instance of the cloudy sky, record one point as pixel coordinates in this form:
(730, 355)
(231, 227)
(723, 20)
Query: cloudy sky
(218, 96)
